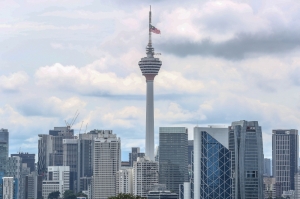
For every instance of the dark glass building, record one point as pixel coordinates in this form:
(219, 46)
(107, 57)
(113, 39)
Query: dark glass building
(27, 158)
(162, 195)
(4, 144)
(173, 157)
(285, 152)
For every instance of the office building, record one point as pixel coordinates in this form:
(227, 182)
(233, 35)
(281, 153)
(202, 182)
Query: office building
(124, 182)
(212, 177)
(8, 188)
(85, 158)
(150, 67)
(145, 175)
(106, 163)
(19, 171)
(4, 146)
(156, 154)
(70, 158)
(297, 185)
(135, 153)
(50, 148)
(246, 146)
(285, 154)
(58, 179)
(27, 158)
(173, 157)
(269, 188)
(33, 186)
(267, 167)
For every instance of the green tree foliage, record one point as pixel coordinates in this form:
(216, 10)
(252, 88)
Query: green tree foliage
(54, 195)
(68, 194)
(125, 196)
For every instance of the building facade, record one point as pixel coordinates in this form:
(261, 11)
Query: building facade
(267, 167)
(8, 188)
(70, 158)
(106, 163)
(4, 146)
(173, 157)
(135, 153)
(245, 143)
(285, 154)
(145, 175)
(269, 188)
(27, 158)
(58, 179)
(212, 177)
(124, 182)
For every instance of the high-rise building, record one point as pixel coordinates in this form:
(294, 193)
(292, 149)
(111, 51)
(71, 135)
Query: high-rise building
(246, 146)
(4, 146)
(267, 167)
(85, 159)
(58, 179)
(162, 195)
(285, 154)
(212, 177)
(135, 153)
(124, 182)
(70, 158)
(8, 188)
(269, 188)
(297, 185)
(27, 158)
(17, 170)
(150, 67)
(33, 186)
(50, 148)
(106, 163)
(145, 175)
(173, 157)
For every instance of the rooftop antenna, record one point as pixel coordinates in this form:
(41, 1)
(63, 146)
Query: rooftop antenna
(150, 42)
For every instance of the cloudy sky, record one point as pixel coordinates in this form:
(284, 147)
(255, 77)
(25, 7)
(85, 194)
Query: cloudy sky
(223, 61)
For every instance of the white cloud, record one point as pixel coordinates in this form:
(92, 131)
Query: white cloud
(14, 81)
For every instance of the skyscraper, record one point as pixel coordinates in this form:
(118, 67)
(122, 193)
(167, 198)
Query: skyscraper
(212, 164)
(4, 145)
(245, 143)
(27, 158)
(106, 163)
(50, 148)
(135, 153)
(145, 175)
(150, 67)
(70, 158)
(285, 154)
(173, 157)
(267, 167)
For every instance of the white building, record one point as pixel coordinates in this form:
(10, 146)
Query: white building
(269, 187)
(58, 178)
(145, 175)
(124, 182)
(106, 163)
(297, 185)
(8, 188)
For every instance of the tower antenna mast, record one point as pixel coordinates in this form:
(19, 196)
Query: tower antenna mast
(150, 40)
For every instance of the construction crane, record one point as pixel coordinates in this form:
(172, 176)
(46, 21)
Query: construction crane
(70, 124)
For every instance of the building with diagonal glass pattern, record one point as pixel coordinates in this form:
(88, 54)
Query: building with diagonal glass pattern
(212, 163)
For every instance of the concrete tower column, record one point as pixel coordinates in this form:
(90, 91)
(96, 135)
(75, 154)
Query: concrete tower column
(150, 121)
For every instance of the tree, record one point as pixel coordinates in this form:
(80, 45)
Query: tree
(80, 194)
(68, 194)
(54, 195)
(125, 196)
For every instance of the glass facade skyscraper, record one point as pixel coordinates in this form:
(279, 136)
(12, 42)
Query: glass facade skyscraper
(173, 157)
(245, 143)
(4, 143)
(212, 177)
(285, 152)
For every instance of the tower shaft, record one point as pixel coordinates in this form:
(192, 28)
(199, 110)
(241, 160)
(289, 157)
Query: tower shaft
(150, 121)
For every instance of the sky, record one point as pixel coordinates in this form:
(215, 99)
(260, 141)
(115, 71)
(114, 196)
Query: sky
(222, 61)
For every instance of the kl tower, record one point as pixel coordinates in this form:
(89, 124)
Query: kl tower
(150, 66)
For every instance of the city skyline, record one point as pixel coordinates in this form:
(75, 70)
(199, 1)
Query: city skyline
(57, 58)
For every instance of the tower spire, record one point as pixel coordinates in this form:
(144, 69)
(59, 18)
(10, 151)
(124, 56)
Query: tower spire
(150, 40)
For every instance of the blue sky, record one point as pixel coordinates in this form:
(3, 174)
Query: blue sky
(223, 61)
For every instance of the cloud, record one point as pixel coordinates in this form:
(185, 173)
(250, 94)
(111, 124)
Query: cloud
(13, 82)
